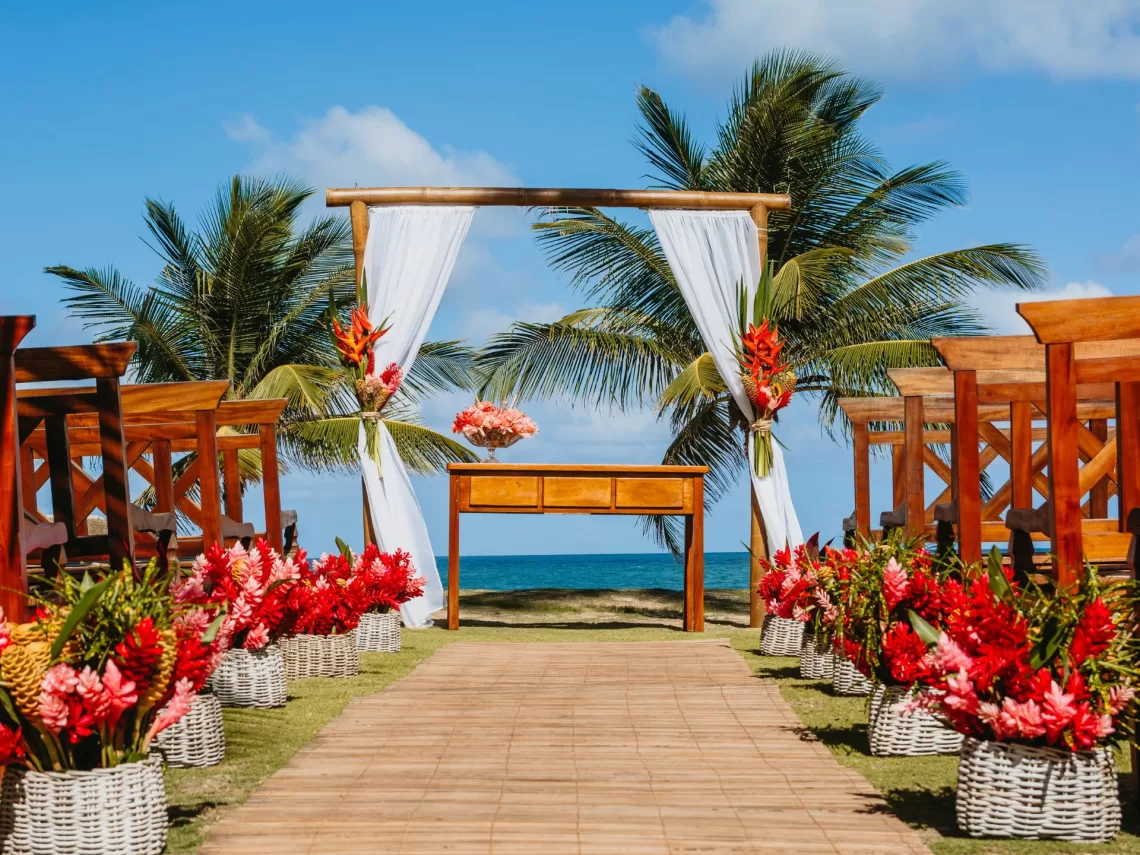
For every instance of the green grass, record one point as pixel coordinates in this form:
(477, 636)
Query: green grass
(259, 742)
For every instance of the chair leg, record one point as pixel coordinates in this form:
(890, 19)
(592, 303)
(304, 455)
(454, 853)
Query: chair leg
(944, 537)
(289, 534)
(52, 560)
(1021, 554)
(849, 539)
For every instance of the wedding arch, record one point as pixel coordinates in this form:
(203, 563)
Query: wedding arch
(406, 239)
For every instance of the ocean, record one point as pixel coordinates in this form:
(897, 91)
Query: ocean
(650, 570)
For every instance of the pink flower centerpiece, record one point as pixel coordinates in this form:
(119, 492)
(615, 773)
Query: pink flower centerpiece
(492, 427)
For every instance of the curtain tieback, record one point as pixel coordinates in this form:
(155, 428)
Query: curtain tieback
(371, 417)
(761, 425)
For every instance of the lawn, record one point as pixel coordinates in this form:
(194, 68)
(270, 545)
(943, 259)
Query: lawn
(258, 742)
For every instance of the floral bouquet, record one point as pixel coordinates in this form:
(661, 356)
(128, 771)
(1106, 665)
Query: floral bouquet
(1035, 666)
(250, 588)
(492, 427)
(387, 579)
(103, 669)
(791, 586)
(327, 599)
(767, 382)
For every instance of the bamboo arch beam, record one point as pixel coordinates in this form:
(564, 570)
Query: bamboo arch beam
(556, 197)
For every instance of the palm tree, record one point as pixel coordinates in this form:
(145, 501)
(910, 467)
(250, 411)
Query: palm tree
(849, 301)
(248, 298)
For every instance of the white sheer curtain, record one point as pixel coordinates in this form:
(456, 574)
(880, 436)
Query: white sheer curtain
(709, 253)
(408, 259)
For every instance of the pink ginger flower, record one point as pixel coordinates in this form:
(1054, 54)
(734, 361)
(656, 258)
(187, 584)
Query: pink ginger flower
(960, 694)
(176, 707)
(895, 583)
(53, 711)
(121, 693)
(1119, 697)
(392, 377)
(257, 637)
(241, 611)
(915, 703)
(60, 679)
(196, 621)
(95, 700)
(1023, 720)
(5, 632)
(1057, 711)
(949, 657)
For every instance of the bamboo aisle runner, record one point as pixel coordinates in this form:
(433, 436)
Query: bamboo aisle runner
(641, 748)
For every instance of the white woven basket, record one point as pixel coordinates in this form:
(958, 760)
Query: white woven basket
(320, 656)
(379, 633)
(1010, 790)
(197, 739)
(781, 636)
(817, 662)
(250, 678)
(919, 734)
(116, 811)
(849, 680)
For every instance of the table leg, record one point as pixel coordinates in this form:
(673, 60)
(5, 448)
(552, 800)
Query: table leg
(697, 556)
(687, 615)
(453, 557)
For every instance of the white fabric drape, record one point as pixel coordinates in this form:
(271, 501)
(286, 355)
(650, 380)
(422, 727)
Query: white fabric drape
(408, 259)
(710, 252)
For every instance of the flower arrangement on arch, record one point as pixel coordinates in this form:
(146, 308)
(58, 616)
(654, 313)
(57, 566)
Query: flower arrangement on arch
(768, 382)
(1036, 665)
(354, 344)
(250, 587)
(490, 426)
(387, 579)
(104, 667)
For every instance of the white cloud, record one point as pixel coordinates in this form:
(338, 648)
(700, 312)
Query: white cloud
(999, 308)
(478, 324)
(1062, 38)
(1125, 259)
(370, 147)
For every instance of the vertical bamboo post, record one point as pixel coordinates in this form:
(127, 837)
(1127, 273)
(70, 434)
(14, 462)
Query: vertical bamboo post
(358, 217)
(758, 539)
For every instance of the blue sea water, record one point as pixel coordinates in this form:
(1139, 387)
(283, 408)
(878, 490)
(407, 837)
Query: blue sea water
(514, 572)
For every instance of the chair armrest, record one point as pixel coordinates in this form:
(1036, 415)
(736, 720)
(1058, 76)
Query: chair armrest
(947, 512)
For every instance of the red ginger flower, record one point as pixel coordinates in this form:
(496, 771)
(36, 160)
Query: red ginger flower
(138, 654)
(1095, 632)
(905, 654)
(11, 745)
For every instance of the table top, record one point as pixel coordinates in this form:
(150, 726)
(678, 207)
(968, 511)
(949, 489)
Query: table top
(603, 468)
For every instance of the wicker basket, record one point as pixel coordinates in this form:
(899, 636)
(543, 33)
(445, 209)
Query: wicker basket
(849, 680)
(116, 811)
(320, 656)
(250, 678)
(781, 636)
(379, 633)
(1010, 790)
(919, 734)
(817, 662)
(197, 739)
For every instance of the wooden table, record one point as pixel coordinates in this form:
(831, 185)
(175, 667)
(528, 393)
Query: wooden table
(538, 488)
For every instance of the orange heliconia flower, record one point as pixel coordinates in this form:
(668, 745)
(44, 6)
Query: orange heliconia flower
(355, 343)
(760, 351)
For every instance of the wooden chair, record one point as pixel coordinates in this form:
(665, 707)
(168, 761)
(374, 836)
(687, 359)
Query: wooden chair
(1007, 372)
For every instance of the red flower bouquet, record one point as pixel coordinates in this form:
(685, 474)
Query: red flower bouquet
(492, 427)
(327, 599)
(252, 588)
(1036, 666)
(103, 669)
(387, 580)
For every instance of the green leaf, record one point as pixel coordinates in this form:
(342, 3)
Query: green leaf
(1045, 649)
(212, 630)
(77, 614)
(922, 628)
(345, 550)
(998, 583)
(9, 707)
(87, 584)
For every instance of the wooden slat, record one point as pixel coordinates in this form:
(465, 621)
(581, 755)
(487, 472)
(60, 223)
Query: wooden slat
(1109, 370)
(936, 465)
(1099, 319)
(1128, 449)
(506, 491)
(576, 468)
(898, 437)
(557, 197)
(13, 568)
(1098, 495)
(209, 487)
(570, 492)
(1021, 455)
(231, 481)
(79, 362)
(1064, 477)
(862, 455)
(271, 485)
(1098, 466)
(974, 353)
(915, 491)
(968, 471)
(163, 479)
(116, 487)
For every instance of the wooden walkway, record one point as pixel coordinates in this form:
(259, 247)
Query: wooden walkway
(544, 749)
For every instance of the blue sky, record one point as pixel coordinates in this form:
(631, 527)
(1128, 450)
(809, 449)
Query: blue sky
(105, 104)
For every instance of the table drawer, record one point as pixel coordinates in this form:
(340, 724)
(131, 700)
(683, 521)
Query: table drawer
(503, 491)
(651, 493)
(560, 492)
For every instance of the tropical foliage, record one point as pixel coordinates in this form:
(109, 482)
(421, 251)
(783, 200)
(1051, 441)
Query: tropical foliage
(849, 295)
(247, 298)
